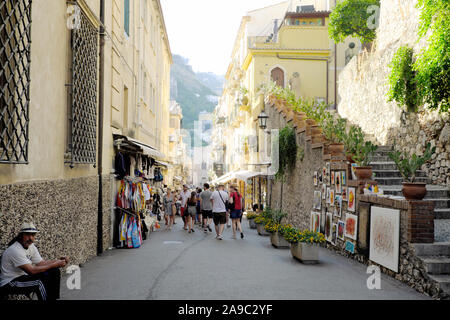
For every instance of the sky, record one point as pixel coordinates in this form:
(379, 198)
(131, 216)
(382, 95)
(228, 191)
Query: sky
(204, 30)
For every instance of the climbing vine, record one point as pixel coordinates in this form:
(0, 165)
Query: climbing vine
(287, 151)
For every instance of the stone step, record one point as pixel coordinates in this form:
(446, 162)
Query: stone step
(440, 203)
(396, 180)
(380, 158)
(436, 264)
(442, 231)
(442, 213)
(443, 280)
(383, 165)
(432, 249)
(395, 173)
(433, 191)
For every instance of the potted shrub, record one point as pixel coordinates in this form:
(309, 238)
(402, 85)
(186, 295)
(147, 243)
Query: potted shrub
(261, 221)
(273, 226)
(408, 166)
(353, 139)
(251, 219)
(304, 245)
(334, 131)
(362, 157)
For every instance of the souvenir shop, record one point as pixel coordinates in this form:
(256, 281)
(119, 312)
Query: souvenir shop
(138, 194)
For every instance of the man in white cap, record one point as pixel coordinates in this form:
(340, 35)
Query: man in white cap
(24, 271)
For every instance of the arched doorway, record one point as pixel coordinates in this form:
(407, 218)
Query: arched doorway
(277, 76)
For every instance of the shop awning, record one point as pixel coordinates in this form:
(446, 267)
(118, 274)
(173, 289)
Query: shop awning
(178, 178)
(245, 175)
(148, 150)
(163, 164)
(134, 145)
(223, 179)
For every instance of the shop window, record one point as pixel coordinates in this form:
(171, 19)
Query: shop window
(15, 39)
(83, 94)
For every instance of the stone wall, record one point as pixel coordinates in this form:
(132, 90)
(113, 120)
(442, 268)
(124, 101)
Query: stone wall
(65, 212)
(363, 88)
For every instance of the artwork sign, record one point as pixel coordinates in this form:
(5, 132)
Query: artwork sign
(334, 233)
(317, 201)
(328, 223)
(344, 193)
(385, 237)
(350, 246)
(351, 199)
(337, 182)
(341, 229)
(351, 226)
(316, 178)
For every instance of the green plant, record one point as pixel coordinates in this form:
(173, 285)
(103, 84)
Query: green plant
(363, 153)
(295, 236)
(287, 151)
(408, 165)
(350, 18)
(260, 219)
(301, 153)
(334, 128)
(402, 80)
(353, 140)
(252, 215)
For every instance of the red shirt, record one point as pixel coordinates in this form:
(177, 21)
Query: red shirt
(237, 201)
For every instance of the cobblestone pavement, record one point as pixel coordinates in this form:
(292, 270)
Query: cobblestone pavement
(177, 265)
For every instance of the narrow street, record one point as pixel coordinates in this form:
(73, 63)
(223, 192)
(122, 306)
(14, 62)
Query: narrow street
(178, 265)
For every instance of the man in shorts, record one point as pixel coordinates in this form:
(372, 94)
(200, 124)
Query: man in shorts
(219, 208)
(206, 207)
(185, 194)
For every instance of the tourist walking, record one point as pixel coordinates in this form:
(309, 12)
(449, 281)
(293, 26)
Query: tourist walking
(206, 207)
(236, 211)
(191, 211)
(169, 209)
(184, 194)
(198, 215)
(219, 199)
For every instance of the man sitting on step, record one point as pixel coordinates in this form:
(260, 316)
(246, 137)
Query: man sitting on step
(23, 271)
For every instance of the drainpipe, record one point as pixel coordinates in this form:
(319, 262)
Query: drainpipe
(100, 128)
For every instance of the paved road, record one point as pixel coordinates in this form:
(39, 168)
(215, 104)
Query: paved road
(177, 265)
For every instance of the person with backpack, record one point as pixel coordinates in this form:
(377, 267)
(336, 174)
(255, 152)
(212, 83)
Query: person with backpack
(219, 199)
(236, 211)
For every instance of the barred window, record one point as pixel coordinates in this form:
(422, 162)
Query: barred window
(83, 94)
(15, 40)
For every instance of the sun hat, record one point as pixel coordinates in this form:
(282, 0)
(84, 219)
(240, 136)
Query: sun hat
(28, 227)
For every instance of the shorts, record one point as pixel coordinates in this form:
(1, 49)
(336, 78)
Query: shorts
(236, 214)
(207, 214)
(191, 211)
(219, 218)
(182, 211)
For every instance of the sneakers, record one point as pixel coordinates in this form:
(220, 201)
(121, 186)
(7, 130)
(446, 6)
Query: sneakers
(205, 230)
(233, 236)
(242, 235)
(209, 228)
(192, 230)
(219, 237)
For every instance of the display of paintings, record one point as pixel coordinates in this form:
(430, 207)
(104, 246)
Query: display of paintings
(353, 171)
(351, 199)
(323, 215)
(385, 237)
(324, 191)
(315, 179)
(338, 206)
(332, 197)
(337, 182)
(328, 197)
(351, 226)
(341, 229)
(334, 233)
(332, 178)
(350, 246)
(344, 178)
(317, 201)
(344, 193)
(328, 223)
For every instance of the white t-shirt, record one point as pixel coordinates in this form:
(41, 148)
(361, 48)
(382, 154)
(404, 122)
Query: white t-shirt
(16, 256)
(184, 197)
(219, 203)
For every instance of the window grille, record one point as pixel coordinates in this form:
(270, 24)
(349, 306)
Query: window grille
(15, 58)
(83, 120)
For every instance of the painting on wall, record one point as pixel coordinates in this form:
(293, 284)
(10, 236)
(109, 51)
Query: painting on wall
(338, 206)
(328, 167)
(328, 197)
(323, 215)
(315, 178)
(328, 223)
(332, 197)
(385, 237)
(320, 177)
(324, 191)
(337, 182)
(317, 201)
(344, 178)
(351, 226)
(315, 221)
(332, 178)
(350, 246)
(324, 175)
(344, 193)
(341, 229)
(351, 199)
(334, 232)
(353, 171)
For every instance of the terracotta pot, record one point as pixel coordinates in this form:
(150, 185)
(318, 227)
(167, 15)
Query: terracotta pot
(326, 148)
(414, 191)
(316, 130)
(363, 173)
(305, 252)
(278, 241)
(336, 149)
(317, 138)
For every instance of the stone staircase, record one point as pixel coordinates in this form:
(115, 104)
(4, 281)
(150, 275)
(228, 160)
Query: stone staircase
(389, 179)
(436, 260)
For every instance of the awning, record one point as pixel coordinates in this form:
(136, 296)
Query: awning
(148, 150)
(245, 175)
(223, 179)
(178, 178)
(133, 145)
(163, 164)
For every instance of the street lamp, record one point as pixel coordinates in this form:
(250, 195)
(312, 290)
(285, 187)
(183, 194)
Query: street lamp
(262, 118)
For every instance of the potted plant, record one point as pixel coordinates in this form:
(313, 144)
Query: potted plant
(277, 234)
(304, 245)
(334, 131)
(353, 139)
(261, 221)
(251, 219)
(362, 157)
(408, 166)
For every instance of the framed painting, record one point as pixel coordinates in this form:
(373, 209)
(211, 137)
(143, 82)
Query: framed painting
(344, 178)
(344, 193)
(328, 223)
(328, 197)
(323, 215)
(341, 229)
(351, 226)
(328, 168)
(317, 201)
(338, 205)
(324, 191)
(385, 237)
(353, 171)
(332, 177)
(334, 233)
(337, 182)
(315, 178)
(350, 246)
(351, 199)
(332, 197)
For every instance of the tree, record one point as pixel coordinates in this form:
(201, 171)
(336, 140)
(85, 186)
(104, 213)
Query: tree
(353, 18)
